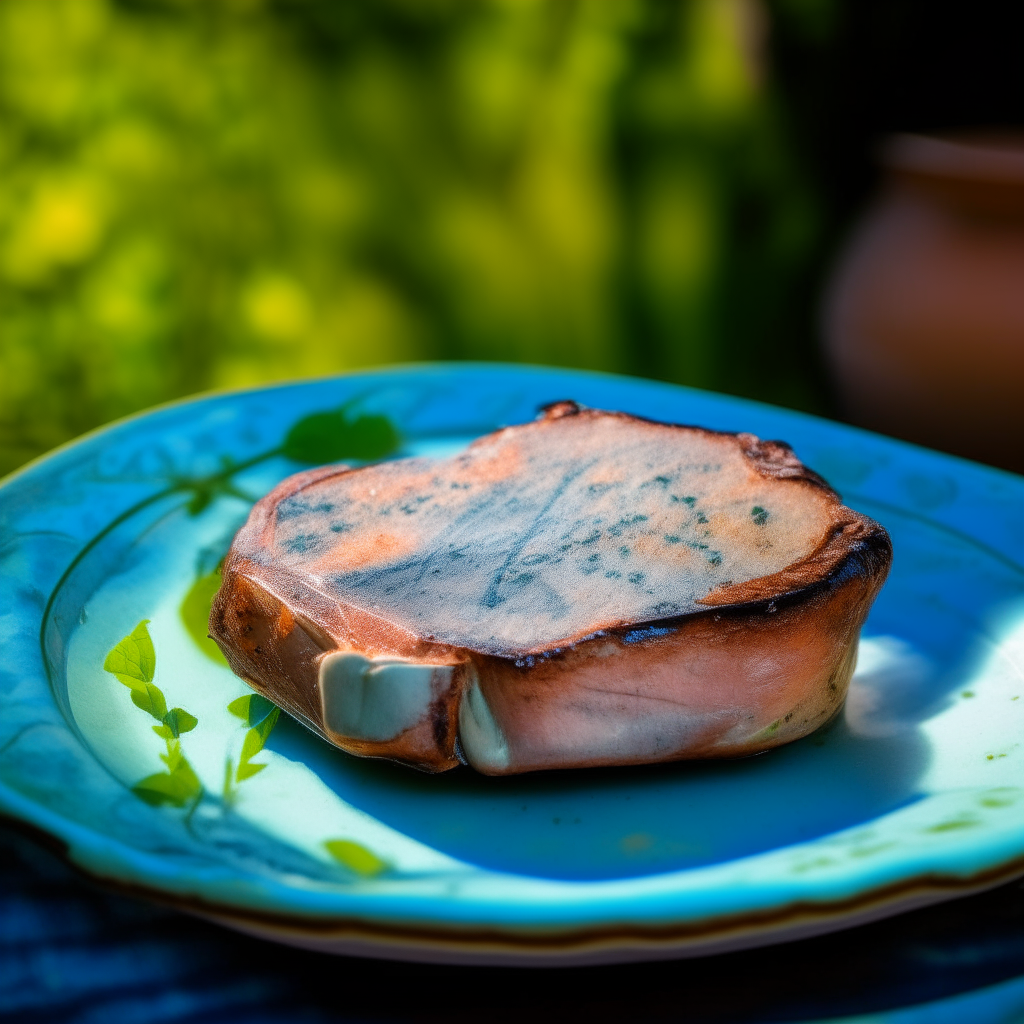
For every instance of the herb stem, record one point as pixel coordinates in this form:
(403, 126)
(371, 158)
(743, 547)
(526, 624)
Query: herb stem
(177, 487)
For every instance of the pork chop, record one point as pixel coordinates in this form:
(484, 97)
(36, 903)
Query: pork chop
(588, 589)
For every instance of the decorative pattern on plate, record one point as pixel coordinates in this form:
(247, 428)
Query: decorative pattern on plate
(915, 794)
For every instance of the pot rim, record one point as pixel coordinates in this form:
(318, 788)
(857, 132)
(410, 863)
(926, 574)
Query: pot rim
(991, 157)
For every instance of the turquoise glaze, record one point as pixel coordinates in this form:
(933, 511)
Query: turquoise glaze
(915, 793)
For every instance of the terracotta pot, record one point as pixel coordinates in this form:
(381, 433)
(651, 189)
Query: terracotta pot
(924, 321)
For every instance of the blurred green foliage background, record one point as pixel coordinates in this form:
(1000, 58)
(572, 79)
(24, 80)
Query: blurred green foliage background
(212, 193)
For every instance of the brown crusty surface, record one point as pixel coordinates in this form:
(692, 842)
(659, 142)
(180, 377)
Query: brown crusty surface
(588, 589)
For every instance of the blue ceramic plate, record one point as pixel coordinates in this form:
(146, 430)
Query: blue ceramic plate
(125, 738)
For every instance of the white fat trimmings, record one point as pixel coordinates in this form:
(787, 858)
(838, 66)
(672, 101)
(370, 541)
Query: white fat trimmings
(374, 699)
(482, 740)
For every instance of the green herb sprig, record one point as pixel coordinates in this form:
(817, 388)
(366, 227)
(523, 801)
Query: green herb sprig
(261, 716)
(132, 661)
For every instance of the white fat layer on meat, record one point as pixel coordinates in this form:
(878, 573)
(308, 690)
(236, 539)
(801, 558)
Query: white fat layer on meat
(483, 743)
(532, 535)
(374, 699)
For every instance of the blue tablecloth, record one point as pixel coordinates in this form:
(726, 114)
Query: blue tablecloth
(70, 951)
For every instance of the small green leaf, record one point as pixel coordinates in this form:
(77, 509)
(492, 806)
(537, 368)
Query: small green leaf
(177, 787)
(195, 614)
(239, 707)
(187, 778)
(330, 436)
(253, 709)
(247, 771)
(251, 745)
(163, 732)
(266, 714)
(133, 657)
(371, 437)
(266, 725)
(157, 789)
(151, 700)
(132, 684)
(356, 857)
(178, 720)
(201, 498)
